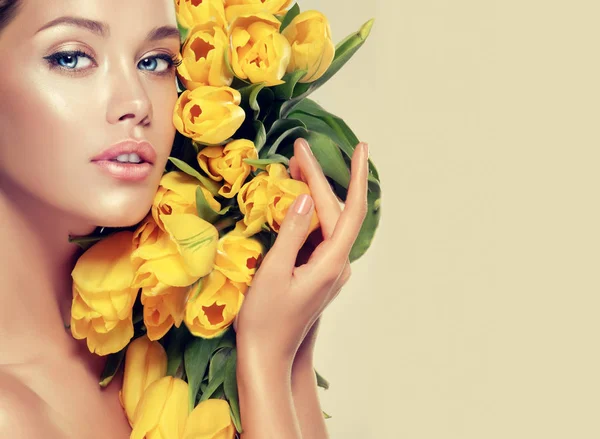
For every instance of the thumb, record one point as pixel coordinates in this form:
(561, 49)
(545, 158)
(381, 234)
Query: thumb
(292, 233)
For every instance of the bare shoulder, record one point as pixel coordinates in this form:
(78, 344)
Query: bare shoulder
(23, 414)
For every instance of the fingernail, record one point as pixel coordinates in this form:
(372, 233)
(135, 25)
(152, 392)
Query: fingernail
(306, 145)
(366, 149)
(303, 204)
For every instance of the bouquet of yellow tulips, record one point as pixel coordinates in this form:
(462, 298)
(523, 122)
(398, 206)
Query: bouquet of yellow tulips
(160, 298)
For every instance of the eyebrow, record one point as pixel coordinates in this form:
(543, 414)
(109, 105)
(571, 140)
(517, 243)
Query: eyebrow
(103, 30)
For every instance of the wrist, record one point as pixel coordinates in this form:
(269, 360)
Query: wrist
(271, 352)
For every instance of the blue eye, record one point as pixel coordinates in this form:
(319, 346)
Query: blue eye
(158, 63)
(69, 60)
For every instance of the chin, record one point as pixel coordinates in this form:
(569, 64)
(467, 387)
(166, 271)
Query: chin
(122, 214)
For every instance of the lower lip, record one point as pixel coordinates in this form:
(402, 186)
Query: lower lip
(126, 171)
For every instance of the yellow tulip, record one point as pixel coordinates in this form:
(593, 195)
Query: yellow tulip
(266, 199)
(176, 194)
(145, 362)
(252, 200)
(164, 310)
(209, 115)
(215, 308)
(175, 258)
(309, 34)
(103, 276)
(162, 412)
(238, 257)
(210, 419)
(103, 294)
(227, 163)
(259, 52)
(283, 190)
(203, 56)
(233, 8)
(170, 262)
(102, 336)
(193, 12)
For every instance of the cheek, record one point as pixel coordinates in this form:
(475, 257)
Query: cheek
(40, 146)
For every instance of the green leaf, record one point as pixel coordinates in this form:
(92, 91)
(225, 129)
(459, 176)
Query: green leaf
(321, 382)
(291, 14)
(282, 130)
(370, 224)
(329, 157)
(218, 361)
(326, 123)
(111, 367)
(326, 416)
(175, 349)
(209, 184)
(289, 135)
(204, 210)
(281, 126)
(314, 123)
(261, 135)
(343, 52)
(256, 96)
(196, 357)
(217, 380)
(231, 390)
(285, 91)
(262, 163)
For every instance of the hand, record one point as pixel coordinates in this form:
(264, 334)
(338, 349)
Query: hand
(284, 301)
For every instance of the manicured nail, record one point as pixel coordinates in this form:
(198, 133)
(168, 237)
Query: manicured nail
(304, 143)
(366, 149)
(303, 204)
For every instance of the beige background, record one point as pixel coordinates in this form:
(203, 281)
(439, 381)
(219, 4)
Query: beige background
(475, 312)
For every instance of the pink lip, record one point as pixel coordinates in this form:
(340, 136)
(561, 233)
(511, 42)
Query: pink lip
(127, 171)
(143, 149)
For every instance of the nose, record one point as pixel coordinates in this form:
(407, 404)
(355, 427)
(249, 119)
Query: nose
(128, 101)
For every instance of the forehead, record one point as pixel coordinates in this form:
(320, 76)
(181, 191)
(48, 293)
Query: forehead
(122, 16)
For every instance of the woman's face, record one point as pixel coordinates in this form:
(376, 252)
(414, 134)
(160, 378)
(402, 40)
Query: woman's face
(100, 75)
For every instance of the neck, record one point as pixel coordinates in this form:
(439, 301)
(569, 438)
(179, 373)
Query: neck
(37, 260)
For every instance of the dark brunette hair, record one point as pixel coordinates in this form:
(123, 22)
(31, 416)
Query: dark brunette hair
(8, 10)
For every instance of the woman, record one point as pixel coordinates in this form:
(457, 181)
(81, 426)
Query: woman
(78, 78)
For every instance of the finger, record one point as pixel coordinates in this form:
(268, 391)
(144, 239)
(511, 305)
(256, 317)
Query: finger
(350, 222)
(295, 171)
(291, 236)
(326, 203)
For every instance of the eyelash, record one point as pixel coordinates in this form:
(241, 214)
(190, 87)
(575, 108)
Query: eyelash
(173, 61)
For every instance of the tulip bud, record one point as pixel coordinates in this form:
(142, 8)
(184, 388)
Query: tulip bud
(259, 53)
(145, 362)
(162, 412)
(204, 57)
(209, 115)
(309, 34)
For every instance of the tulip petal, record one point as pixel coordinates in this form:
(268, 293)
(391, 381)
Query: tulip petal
(162, 411)
(210, 419)
(106, 266)
(145, 362)
(196, 240)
